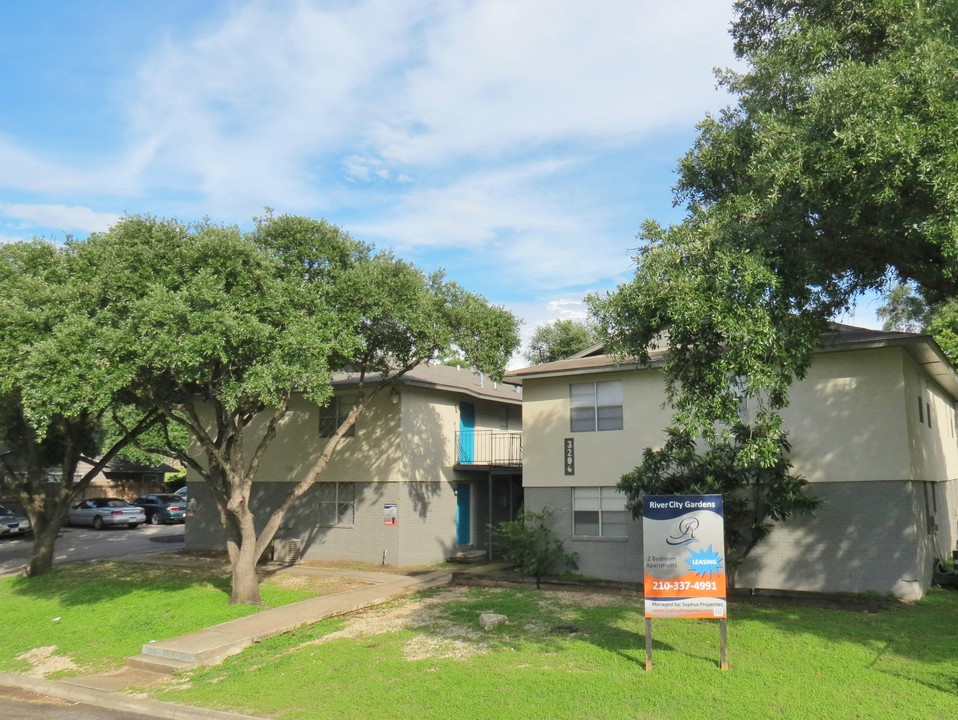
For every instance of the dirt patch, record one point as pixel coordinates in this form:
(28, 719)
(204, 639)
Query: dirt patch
(371, 567)
(442, 638)
(445, 639)
(317, 585)
(44, 660)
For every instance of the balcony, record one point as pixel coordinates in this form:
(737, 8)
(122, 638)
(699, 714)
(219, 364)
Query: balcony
(488, 448)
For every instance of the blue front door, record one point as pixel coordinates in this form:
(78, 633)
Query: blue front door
(467, 427)
(463, 513)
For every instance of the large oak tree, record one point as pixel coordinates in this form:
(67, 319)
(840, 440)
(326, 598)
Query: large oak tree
(56, 389)
(228, 325)
(834, 173)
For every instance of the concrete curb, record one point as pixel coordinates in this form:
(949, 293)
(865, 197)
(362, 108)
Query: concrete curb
(113, 701)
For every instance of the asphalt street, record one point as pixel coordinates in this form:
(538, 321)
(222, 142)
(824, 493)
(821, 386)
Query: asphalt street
(20, 705)
(77, 544)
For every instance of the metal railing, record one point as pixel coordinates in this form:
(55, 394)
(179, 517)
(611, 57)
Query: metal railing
(488, 447)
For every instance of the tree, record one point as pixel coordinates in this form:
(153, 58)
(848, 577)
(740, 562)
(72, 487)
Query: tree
(55, 390)
(232, 324)
(753, 493)
(835, 170)
(531, 544)
(559, 340)
(904, 309)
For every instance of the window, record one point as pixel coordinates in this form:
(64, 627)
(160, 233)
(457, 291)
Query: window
(595, 406)
(599, 512)
(337, 503)
(331, 416)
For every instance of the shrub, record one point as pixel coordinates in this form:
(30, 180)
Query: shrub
(530, 543)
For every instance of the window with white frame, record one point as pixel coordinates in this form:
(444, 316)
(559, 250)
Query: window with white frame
(332, 414)
(595, 406)
(336, 504)
(599, 512)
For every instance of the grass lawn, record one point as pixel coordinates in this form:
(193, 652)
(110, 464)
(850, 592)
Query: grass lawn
(91, 617)
(561, 655)
(571, 655)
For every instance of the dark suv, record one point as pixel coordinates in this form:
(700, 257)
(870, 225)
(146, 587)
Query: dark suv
(162, 508)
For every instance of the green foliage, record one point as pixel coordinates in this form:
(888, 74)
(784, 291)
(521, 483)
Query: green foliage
(943, 326)
(56, 387)
(835, 170)
(218, 328)
(905, 309)
(755, 494)
(559, 340)
(531, 544)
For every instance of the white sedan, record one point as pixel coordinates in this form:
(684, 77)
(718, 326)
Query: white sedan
(11, 523)
(100, 512)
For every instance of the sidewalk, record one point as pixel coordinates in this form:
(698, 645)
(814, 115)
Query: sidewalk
(161, 659)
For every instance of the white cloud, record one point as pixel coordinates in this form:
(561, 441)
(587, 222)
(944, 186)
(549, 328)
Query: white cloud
(243, 112)
(65, 218)
(501, 75)
(283, 95)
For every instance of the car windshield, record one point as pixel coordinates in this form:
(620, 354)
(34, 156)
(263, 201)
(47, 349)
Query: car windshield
(5, 511)
(169, 498)
(114, 503)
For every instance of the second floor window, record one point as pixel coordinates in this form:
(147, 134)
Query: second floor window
(332, 414)
(595, 406)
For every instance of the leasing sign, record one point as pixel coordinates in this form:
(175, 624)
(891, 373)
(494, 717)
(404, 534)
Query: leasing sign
(684, 544)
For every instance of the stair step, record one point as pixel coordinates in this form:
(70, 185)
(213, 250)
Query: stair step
(167, 666)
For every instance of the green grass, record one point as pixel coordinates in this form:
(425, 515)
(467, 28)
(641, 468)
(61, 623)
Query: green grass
(558, 657)
(99, 614)
(787, 660)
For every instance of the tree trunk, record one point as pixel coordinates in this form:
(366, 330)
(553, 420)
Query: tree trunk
(44, 537)
(245, 590)
(241, 543)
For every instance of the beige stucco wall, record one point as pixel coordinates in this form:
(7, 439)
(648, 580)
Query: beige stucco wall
(601, 458)
(847, 419)
(371, 455)
(855, 418)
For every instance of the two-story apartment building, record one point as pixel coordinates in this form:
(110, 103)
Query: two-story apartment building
(872, 427)
(429, 466)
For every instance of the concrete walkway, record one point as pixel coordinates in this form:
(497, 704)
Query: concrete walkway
(213, 645)
(159, 660)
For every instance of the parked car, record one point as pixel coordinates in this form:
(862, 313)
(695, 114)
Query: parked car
(11, 523)
(100, 512)
(182, 493)
(163, 508)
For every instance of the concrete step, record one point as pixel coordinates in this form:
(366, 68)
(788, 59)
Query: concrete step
(166, 666)
(469, 556)
(204, 647)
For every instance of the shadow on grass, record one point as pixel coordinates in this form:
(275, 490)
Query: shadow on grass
(899, 635)
(100, 582)
(550, 620)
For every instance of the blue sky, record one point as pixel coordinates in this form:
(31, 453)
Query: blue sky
(518, 144)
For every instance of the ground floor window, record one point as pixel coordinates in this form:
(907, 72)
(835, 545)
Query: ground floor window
(336, 503)
(599, 512)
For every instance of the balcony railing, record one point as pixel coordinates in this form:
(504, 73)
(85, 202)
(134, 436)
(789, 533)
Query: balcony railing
(488, 447)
